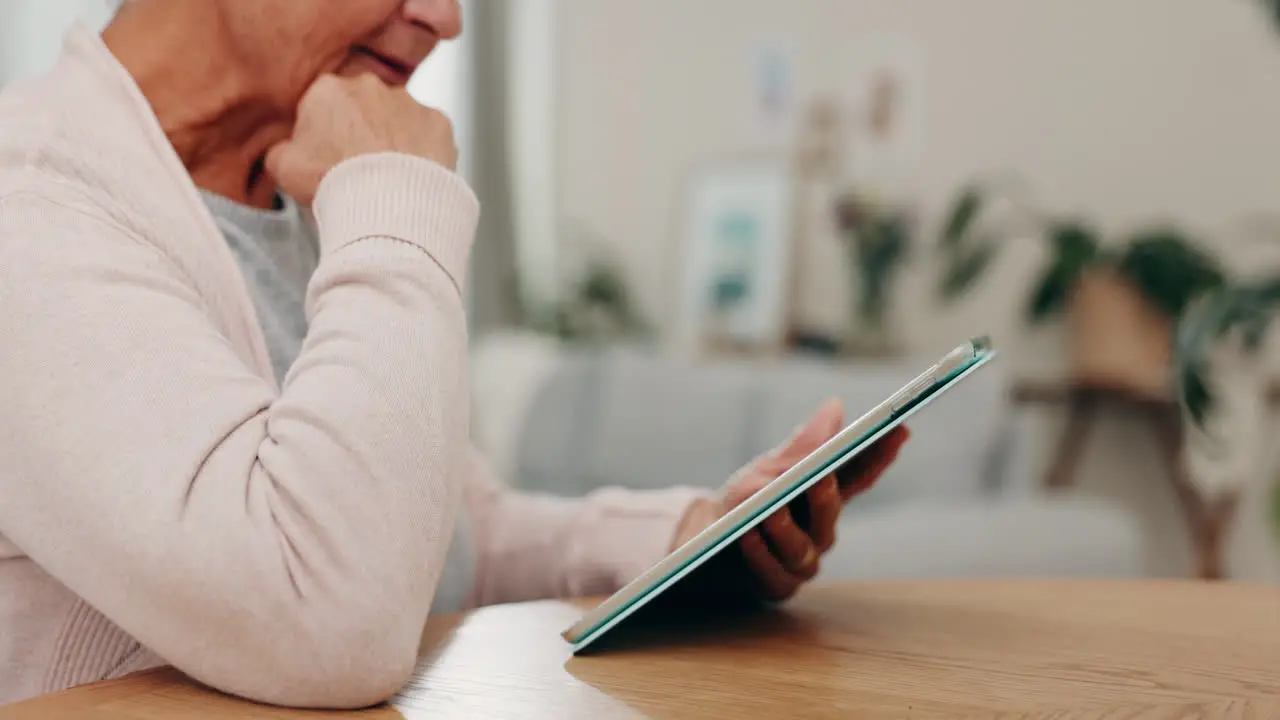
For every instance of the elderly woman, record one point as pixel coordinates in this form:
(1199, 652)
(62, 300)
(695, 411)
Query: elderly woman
(237, 441)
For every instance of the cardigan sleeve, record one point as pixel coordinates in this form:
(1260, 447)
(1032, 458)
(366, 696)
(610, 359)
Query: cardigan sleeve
(533, 546)
(279, 545)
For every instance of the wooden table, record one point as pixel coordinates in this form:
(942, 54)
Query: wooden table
(1018, 649)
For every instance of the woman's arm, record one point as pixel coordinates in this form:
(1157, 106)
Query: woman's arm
(535, 546)
(280, 547)
(538, 546)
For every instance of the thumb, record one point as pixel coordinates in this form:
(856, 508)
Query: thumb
(293, 173)
(819, 428)
(276, 158)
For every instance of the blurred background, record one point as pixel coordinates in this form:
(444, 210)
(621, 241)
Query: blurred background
(703, 218)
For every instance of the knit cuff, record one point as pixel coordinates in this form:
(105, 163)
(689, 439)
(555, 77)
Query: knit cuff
(642, 528)
(398, 196)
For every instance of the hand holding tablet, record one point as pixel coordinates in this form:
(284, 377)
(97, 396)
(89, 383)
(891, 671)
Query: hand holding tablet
(766, 499)
(772, 561)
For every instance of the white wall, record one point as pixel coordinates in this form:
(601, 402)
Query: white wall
(1128, 110)
(532, 40)
(31, 31)
(444, 83)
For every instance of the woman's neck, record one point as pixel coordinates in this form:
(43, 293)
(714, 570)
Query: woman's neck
(220, 125)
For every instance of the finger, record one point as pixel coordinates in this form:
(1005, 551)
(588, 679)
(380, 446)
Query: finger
(792, 546)
(870, 471)
(743, 487)
(861, 475)
(296, 175)
(819, 428)
(276, 158)
(825, 503)
(880, 453)
(773, 580)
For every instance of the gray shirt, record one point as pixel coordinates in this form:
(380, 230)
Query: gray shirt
(278, 250)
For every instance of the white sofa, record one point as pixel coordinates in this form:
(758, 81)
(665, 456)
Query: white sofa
(962, 501)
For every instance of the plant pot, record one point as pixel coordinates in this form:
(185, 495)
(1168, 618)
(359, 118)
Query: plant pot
(1118, 340)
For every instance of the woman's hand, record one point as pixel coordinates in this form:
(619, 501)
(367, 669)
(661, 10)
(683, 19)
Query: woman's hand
(781, 554)
(342, 118)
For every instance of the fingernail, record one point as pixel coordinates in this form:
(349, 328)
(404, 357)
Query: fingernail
(810, 559)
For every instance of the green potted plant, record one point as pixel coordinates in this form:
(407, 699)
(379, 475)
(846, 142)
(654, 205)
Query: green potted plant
(594, 304)
(1119, 297)
(1236, 317)
(598, 308)
(878, 240)
(1232, 320)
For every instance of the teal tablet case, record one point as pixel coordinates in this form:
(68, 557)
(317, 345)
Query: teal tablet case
(981, 356)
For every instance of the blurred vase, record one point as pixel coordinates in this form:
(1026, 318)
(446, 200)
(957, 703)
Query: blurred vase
(820, 295)
(1228, 452)
(1119, 341)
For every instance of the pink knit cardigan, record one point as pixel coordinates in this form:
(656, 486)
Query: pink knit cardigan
(163, 501)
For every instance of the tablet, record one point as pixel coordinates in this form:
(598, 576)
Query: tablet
(831, 456)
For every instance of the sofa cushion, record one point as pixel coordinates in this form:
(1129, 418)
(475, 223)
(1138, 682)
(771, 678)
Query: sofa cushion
(557, 429)
(660, 422)
(511, 373)
(634, 418)
(1020, 537)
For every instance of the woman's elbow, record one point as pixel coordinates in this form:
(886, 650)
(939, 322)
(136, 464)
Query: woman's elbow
(348, 683)
(349, 665)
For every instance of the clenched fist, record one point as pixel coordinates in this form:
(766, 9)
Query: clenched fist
(343, 118)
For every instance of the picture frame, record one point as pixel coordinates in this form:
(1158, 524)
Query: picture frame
(735, 222)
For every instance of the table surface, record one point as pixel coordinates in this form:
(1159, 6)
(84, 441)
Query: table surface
(1005, 649)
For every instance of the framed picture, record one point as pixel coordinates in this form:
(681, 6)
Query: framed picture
(735, 260)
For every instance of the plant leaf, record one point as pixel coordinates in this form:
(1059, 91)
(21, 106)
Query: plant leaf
(1074, 241)
(1050, 294)
(1196, 395)
(1168, 269)
(964, 271)
(1075, 247)
(963, 212)
(1196, 331)
(1255, 331)
(1205, 321)
(1269, 291)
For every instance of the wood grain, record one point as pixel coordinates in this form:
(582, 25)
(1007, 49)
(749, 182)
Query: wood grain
(1020, 649)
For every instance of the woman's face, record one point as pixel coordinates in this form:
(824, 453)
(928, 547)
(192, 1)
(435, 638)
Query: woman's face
(292, 42)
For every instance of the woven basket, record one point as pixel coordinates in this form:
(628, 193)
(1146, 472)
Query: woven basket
(1118, 340)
